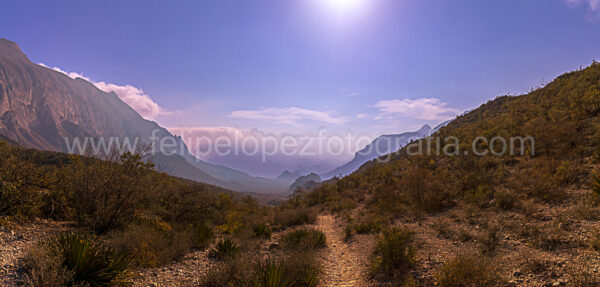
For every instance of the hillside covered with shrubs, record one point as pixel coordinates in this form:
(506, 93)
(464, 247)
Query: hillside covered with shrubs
(542, 199)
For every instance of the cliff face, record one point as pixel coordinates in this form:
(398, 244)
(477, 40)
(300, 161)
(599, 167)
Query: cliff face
(39, 107)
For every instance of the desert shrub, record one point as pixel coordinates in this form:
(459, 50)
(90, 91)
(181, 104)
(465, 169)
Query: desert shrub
(295, 269)
(442, 229)
(106, 194)
(305, 238)
(152, 243)
(224, 248)
(76, 259)
(9, 198)
(200, 235)
(595, 186)
(369, 226)
(468, 271)
(488, 244)
(41, 270)
(234, 271)
(294, 216)
(549, 239)
(394, 254)
(505, 199)
(262, 230)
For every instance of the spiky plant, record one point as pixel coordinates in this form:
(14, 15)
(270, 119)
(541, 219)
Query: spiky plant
(224, 248)
(91, 261)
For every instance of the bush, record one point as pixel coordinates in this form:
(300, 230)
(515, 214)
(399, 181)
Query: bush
(295, 217)
(224, 248)
(43, 271)
(394, 253)
(296, 269)
(106, 194)
(370, 226)
(468, 271)
(595, 185)
(76, 259)
(200, 234)
(489, 243)
(152, 244)
(305, 239)
(262, 230)
(505, 200)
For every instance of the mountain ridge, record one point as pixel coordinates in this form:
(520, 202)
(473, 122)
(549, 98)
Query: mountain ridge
(40, 107)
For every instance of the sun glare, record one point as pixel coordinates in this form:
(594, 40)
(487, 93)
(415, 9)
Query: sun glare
(344, 6)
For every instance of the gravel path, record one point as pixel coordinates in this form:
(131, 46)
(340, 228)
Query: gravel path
(344, 264)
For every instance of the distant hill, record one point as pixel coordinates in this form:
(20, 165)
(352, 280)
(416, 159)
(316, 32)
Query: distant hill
(382, 145)
(306, 181)
(40, 107)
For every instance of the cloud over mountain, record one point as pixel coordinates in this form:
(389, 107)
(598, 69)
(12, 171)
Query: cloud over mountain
(422, 109)
(134, 97)
(291, 115)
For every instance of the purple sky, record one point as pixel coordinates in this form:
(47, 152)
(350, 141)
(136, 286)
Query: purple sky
(367, 66)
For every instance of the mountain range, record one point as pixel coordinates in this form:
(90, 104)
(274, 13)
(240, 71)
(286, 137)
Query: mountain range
(381, 146)
(44, 109)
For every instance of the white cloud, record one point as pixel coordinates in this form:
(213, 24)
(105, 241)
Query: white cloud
(134, 97)
(593, 5)
(362, 116)
(421, 109)
(289, 115)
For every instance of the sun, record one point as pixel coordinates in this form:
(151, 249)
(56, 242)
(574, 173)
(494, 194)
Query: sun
(344, 6)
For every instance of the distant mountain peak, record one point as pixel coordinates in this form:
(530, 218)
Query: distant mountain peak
(424, 129)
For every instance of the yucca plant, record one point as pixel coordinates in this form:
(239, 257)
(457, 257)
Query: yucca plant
(91, 262)
(273, 274)
(224, 248)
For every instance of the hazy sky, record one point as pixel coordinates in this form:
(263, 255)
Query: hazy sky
(369, 66)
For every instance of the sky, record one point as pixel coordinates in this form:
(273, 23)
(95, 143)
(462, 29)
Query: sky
(368, 67)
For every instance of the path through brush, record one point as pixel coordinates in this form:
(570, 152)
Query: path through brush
(344, 264)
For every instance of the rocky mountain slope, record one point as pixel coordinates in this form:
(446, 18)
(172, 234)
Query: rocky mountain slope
(40, 108)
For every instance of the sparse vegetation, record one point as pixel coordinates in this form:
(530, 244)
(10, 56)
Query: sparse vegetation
(394, 254)
(295, 269)
(468, 271)
(305, 239)
(76, 259)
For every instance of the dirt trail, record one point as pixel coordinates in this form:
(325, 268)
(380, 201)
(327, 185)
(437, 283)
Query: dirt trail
(344, 264)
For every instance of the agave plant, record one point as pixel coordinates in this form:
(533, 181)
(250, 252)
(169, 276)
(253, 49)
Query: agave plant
(91, 262)
(224, 248)
(273, 274)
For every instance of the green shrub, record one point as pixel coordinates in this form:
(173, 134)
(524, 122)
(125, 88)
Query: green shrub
(262, 230)
(305, 238)
(78, 259)
(273, 274)
(394, 254)
(224, 248)
(200, 235)
(468, 271)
